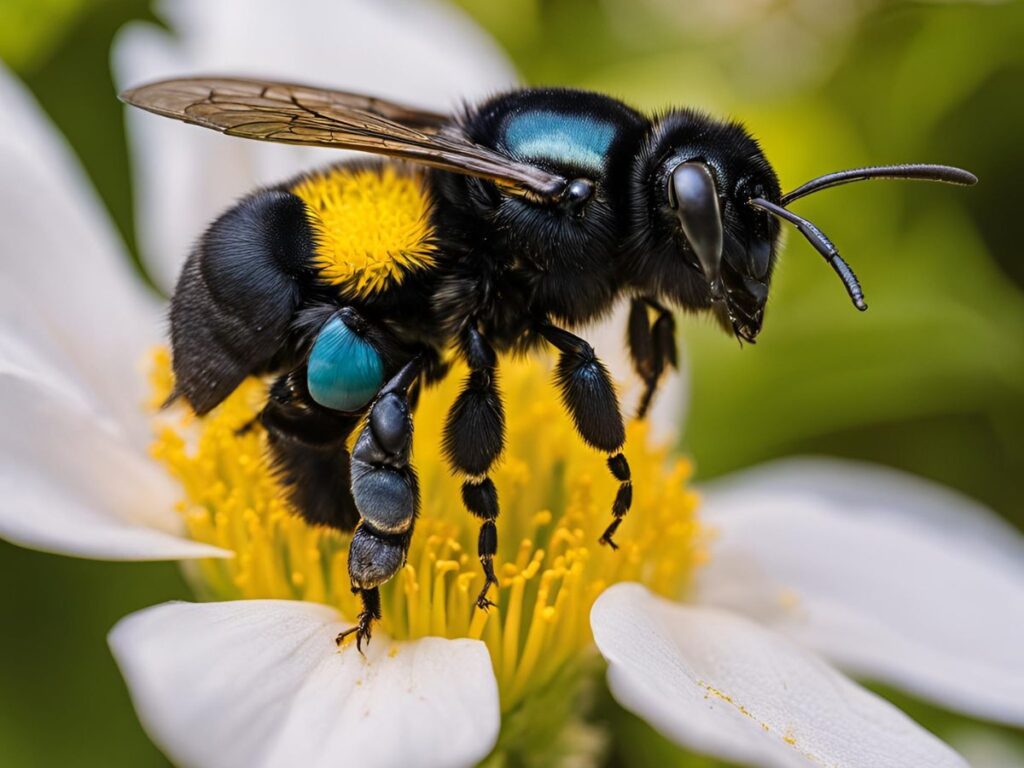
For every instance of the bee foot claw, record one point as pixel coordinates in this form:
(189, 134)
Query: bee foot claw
(483, 602)
(363, 632)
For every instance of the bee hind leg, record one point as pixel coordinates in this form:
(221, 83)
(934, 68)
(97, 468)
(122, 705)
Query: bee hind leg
(308, 452)
(589, 396)
(386, 493)
(363, 629)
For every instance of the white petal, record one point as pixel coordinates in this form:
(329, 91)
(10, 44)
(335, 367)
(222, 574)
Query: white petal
(72, 485)
(30, 351)
(260, 683)
(424, 53)
(70, 482)
(889, 576)
(60, 255)
(719, 684)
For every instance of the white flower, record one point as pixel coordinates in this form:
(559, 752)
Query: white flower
(885, 576)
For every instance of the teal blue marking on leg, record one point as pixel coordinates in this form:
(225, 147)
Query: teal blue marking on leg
(577, 139)
(344, 371)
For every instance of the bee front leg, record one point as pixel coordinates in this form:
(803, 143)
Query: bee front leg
(651, 347)
(589, 396)
(387, 496)
(474, 437)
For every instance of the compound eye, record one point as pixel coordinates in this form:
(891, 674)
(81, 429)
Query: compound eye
(577, 193)
(693, 195)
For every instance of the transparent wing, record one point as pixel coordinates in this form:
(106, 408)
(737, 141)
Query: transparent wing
(298, 114)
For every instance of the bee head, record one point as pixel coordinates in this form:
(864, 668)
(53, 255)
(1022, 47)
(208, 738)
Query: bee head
(697, 242)
(706, 207)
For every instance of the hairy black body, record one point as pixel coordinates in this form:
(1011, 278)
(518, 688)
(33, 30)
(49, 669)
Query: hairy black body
(545, 207)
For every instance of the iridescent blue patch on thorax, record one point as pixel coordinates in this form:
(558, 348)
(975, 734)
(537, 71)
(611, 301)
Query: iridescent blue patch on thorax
(576, 139)
(344, 371)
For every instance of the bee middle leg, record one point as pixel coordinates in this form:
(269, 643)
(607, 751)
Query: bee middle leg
(589, 396)
(652, 347)
(474, 437)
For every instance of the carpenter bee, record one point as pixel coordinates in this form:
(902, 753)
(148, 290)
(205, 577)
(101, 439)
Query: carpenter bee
(497, 229)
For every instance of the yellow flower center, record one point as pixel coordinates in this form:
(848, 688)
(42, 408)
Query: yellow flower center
(555, 494)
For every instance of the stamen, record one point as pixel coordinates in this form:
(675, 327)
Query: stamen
(555, 492)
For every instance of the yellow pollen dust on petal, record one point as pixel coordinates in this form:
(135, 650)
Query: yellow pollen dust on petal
(555, 494)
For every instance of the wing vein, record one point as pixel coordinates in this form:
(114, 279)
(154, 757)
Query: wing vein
(298, 114)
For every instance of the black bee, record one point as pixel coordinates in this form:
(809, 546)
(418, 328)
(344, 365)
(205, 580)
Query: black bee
(529, 213)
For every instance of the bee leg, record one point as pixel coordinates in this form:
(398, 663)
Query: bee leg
(589, 396)
(307, 445)
(651, 347)
(313, 409)
(386, 493)
(363, 630)
(474, 436)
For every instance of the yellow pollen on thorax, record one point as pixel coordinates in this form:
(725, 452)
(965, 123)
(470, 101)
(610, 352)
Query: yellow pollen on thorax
(555, 495)
(371, 226)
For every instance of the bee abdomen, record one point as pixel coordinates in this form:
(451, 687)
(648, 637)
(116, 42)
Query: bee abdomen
(237, 295)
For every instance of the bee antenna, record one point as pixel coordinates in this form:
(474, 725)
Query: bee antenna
(913, 171)
(821, 244)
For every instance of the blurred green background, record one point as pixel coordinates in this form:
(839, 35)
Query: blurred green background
(930, 380)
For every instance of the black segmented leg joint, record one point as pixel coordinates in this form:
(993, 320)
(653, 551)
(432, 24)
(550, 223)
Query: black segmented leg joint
(474, 437)
(386, 493)
(619, 467)
(479, 354)
(567, 343)
(386, 497)
(391, 425)
(474, 430)
(652, 348)
(664, 332)
(488, 544)
(370, 613)
(588, 395)
(374, 556)
(481, 499)
(487, 548)
(623, 497)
